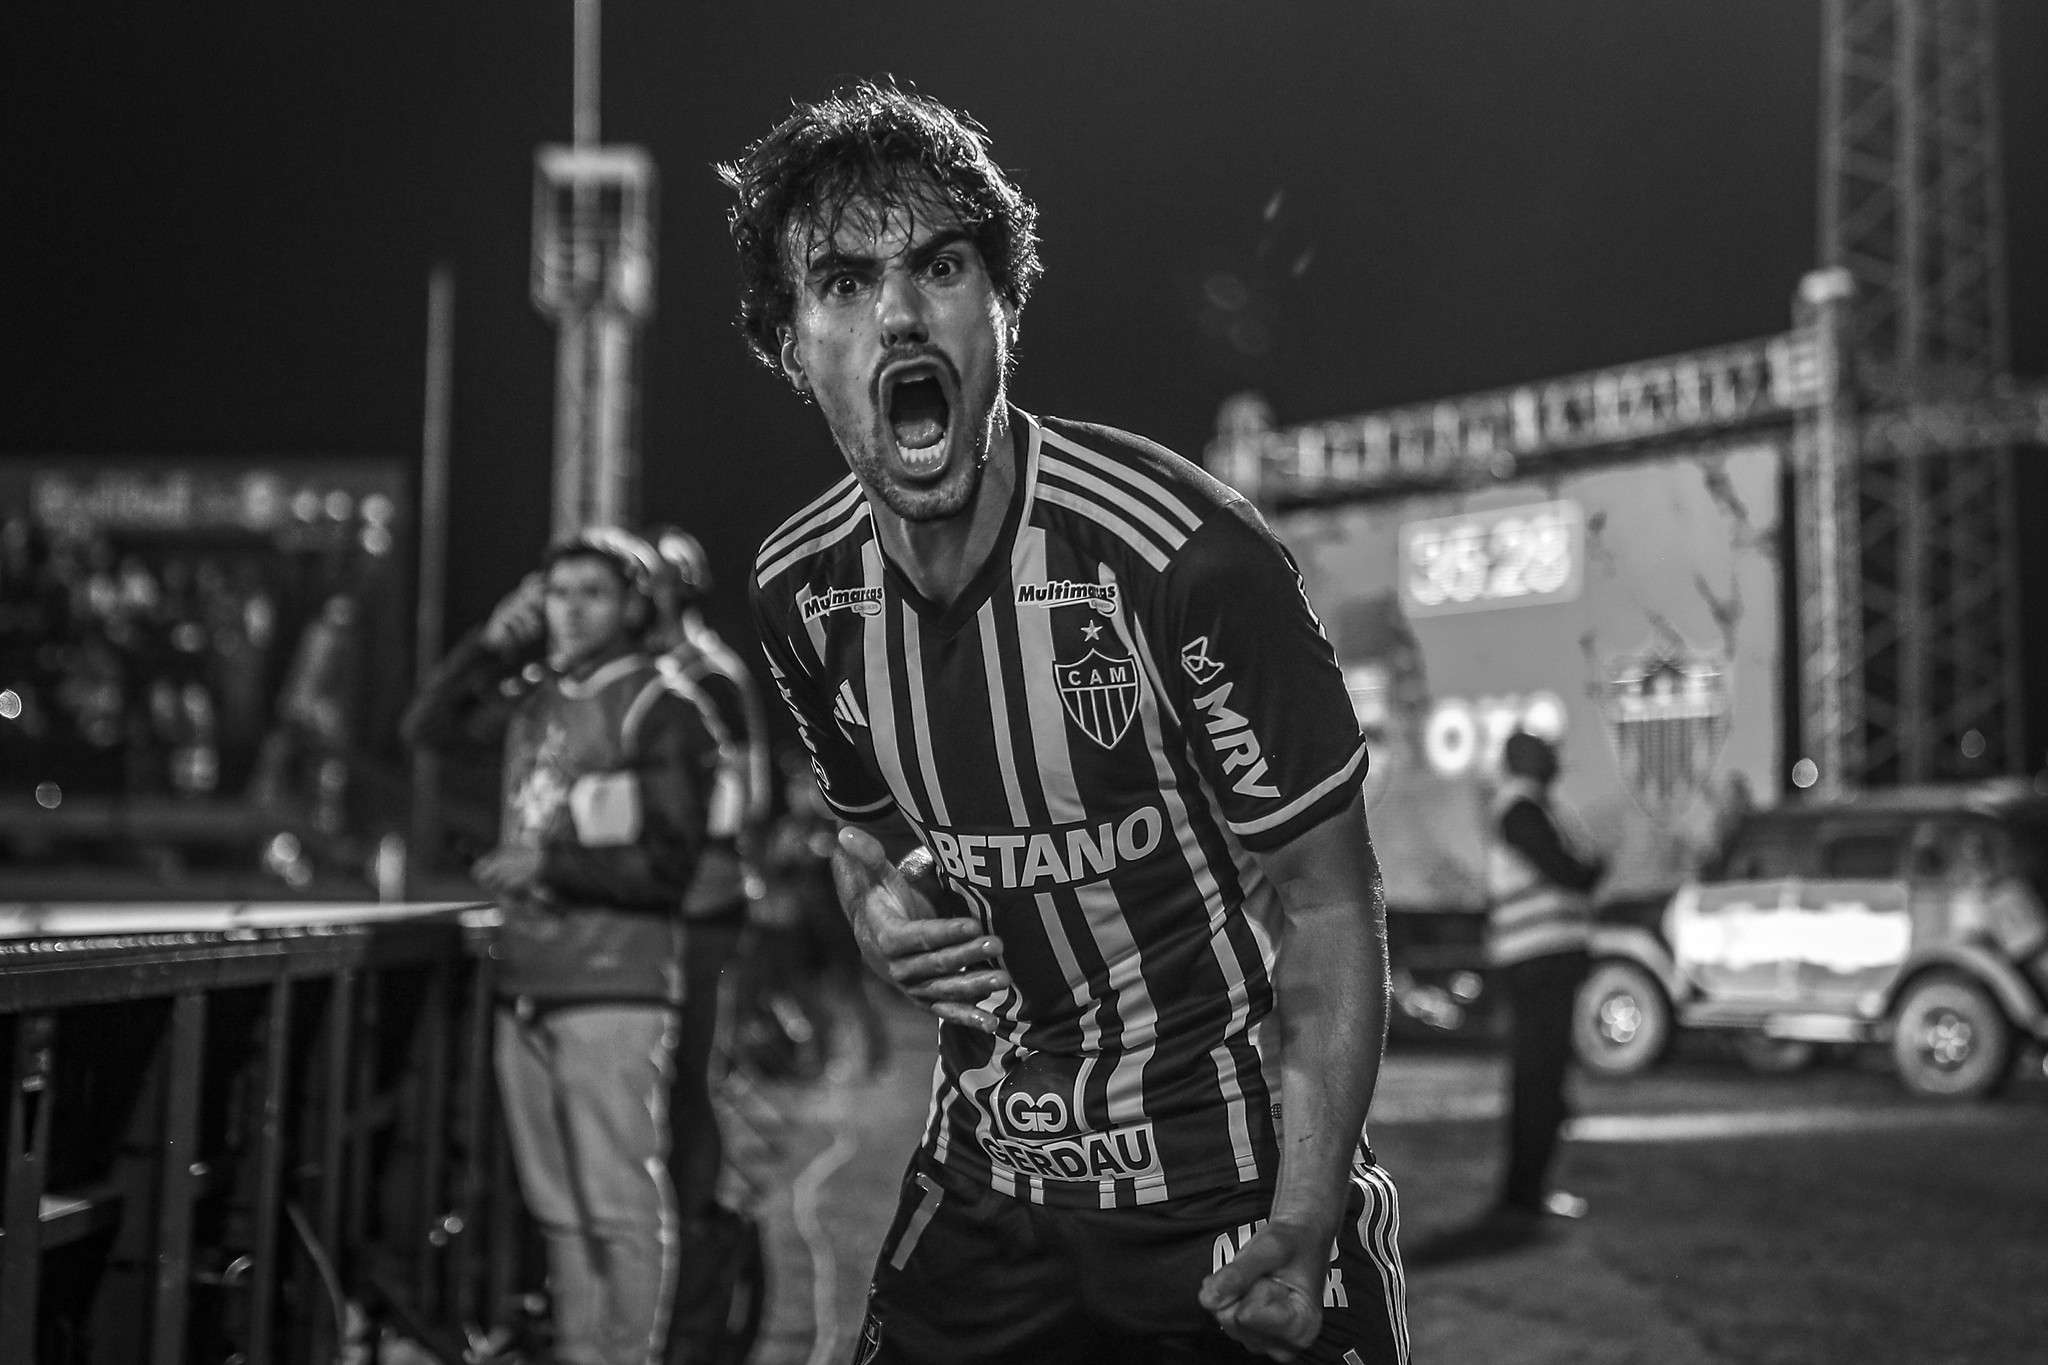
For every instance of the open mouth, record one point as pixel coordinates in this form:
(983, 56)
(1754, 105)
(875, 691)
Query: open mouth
(919, 409)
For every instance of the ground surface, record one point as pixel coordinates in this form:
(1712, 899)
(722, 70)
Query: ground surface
(1819, 1219)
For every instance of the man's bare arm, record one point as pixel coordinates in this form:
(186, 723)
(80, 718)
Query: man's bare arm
(1330, 1009)
(1330, 1005)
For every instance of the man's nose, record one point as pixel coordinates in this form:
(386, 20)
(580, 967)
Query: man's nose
(902, 305)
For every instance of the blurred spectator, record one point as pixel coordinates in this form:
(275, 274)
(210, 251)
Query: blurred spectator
(807, 969)
(606, 765)
(305, 759)
(728, 879)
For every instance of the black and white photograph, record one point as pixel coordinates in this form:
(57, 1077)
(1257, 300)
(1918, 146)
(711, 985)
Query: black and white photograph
(1175, 682)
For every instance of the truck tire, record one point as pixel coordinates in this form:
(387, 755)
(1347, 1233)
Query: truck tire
(1621, 1024)
(1950, 1040)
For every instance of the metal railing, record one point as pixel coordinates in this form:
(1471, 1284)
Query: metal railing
(239, 1133)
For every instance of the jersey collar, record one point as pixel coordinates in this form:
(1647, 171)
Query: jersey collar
(1025, 437)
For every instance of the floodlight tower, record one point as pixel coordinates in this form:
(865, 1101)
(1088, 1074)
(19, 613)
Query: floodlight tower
(1910, 628)
(593, 273)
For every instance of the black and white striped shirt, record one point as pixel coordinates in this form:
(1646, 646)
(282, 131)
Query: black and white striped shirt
(1131, 696)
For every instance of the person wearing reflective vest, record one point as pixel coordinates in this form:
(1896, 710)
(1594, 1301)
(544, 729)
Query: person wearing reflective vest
(1538, 932)
(608, 762)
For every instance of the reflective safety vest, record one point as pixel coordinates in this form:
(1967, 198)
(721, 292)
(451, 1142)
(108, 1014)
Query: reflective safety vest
(1531, 916)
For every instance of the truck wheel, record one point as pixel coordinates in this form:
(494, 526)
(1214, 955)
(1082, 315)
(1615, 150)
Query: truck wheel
(1622, 1021)
(1949, 1038)
(1773, 1056)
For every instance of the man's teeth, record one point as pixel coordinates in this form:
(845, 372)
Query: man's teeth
(923, 456)
(917, 419)
(918, 433)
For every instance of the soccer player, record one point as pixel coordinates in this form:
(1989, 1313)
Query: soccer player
(1072, 683)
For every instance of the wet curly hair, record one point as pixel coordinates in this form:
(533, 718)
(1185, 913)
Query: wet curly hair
(867, 144)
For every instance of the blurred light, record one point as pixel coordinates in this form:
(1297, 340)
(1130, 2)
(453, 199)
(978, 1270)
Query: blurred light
(1805, 773)
(340, 506)
(375, 539)
(377, 508)
(1466, 986)
(49, 795)
(305, 504)
(1973, 744)
(10, 704)
(1226, 291)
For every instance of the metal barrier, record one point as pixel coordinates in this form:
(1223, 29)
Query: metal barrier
(238, 1133)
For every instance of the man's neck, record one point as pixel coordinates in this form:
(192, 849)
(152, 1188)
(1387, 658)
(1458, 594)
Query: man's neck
(583, 665)
(940, 558)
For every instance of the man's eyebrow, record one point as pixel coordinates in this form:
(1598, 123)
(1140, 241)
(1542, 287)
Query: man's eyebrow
(922, 254)
(831, 261)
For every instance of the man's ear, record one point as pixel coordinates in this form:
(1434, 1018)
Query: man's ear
(792, 364)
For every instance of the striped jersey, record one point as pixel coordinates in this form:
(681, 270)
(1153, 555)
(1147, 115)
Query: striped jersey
(1131, 697)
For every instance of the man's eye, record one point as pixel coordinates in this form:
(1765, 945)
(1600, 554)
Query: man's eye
(842, 286)
(943, 266)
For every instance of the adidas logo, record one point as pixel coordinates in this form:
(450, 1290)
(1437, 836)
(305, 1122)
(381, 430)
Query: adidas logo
(846, 708)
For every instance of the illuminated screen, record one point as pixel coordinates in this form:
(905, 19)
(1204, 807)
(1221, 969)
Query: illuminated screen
(1631, 613)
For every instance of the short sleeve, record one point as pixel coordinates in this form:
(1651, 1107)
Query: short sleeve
(1257, 686)
(844, 780)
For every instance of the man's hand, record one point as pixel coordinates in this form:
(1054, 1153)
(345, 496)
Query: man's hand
(508, 870)
(1271, 1297)
(520, 618)
(941, 963)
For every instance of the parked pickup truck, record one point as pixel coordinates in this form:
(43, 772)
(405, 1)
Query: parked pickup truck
(1915, 917)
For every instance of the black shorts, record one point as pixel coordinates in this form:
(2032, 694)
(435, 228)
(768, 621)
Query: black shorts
(969, 1275)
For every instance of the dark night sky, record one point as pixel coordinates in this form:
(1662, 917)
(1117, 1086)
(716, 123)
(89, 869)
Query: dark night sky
(217, 218)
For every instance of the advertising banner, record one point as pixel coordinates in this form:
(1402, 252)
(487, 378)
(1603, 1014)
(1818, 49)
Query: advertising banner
(1629, 613)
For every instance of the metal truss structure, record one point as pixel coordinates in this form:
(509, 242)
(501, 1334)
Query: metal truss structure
(1890, 395)
(593, 273)
(1911, 201)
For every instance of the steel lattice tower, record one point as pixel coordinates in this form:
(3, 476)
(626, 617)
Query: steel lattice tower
(1918, 630)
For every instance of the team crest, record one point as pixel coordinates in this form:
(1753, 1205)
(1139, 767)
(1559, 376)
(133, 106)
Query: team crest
(1667, 712)
(1100, 694)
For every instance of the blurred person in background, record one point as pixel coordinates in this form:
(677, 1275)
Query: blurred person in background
(727, 882)
(810, 957)
(609, 762)
(1538, 931)
(1139, 894)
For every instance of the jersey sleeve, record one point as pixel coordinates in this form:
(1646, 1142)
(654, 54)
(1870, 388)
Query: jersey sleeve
(1256, 684)
(846, 783)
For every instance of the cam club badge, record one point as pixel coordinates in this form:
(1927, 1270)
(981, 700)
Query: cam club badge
(1667, 710)
(1100, 694)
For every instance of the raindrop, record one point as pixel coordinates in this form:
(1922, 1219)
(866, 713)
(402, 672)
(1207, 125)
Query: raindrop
(1973, 744)
(10, 704)
(49, 795)
(1805, 773)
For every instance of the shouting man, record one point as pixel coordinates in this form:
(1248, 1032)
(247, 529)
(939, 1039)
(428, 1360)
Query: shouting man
(1106, 781)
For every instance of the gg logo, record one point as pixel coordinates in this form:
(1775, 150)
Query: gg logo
(1034, 1113)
